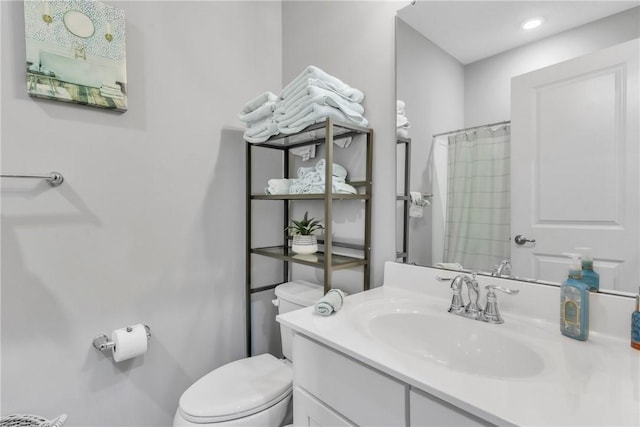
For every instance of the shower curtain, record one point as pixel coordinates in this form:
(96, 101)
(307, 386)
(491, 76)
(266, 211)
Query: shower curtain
(477, 226)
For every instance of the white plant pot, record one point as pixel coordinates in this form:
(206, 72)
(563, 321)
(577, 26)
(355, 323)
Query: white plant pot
(304, 244)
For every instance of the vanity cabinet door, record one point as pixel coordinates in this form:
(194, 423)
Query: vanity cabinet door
(360, 394)
(427, 410)
(310, 412)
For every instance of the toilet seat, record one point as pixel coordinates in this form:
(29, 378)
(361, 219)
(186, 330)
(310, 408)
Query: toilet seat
(237, 389)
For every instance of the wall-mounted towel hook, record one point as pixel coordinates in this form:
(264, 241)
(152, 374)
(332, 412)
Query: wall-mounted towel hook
(103, 342)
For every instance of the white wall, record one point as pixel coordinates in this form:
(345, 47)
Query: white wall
(431, 82)
(354, 41)
(488, 82)
(149, 223)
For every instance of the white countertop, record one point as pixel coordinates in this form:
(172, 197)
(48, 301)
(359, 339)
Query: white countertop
(596, 382)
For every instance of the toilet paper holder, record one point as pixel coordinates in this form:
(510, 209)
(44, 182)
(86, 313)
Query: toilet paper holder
(103, 343)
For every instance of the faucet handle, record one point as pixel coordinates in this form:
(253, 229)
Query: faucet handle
(491, 311)
(508, 291)
(457, 304)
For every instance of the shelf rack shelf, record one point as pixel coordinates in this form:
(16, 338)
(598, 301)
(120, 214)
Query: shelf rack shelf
(327, 259)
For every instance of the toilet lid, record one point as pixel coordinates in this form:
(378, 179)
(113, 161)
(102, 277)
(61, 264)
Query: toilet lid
(237, 389)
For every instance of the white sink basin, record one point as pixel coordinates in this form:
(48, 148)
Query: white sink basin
(429, 332)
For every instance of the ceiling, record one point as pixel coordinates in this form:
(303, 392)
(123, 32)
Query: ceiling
(473, 30)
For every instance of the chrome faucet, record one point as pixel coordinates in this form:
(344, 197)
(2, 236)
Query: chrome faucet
(491, 313)
(472, 310)
(503, 268)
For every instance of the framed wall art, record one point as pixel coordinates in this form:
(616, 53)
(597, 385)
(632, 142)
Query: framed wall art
(75, 52)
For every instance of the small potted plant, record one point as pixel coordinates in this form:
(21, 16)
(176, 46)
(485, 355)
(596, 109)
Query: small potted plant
(304, 242)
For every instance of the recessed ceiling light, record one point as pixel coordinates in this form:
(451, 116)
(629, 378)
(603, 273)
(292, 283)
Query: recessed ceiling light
(532, 23)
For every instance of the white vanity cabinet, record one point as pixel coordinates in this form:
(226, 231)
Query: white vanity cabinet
(333, 389)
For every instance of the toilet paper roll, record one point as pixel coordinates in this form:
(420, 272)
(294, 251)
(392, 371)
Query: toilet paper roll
(129, 342)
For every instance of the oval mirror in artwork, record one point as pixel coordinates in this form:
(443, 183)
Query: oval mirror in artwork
(79, 24)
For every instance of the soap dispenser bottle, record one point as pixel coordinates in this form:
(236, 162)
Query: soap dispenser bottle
(589, 276)
(574, 302)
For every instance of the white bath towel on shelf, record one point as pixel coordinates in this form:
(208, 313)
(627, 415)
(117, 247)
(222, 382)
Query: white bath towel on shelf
(258, 101)
(304, 88)
(260, 132)
(260, 113)
(402, 132)
(278, 186)
(318, 114)
(311, 72)
(305, 105)
(330, 303)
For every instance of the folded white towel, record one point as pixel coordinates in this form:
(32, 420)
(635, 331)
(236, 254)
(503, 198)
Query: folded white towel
(261, 131)
(110, 91)
(258, 101)
(315, 73)
(318, 114)
(306, 104)
(402, 132)
(304, 88)
(114, 86)
(312, 94)
(300, 186)
(278, 186)
(330, 303)
(260, 113)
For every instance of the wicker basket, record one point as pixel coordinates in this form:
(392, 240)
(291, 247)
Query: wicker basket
(27, 420)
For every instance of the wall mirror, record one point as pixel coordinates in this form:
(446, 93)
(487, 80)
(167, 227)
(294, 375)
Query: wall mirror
(542, 126)
(79, 24)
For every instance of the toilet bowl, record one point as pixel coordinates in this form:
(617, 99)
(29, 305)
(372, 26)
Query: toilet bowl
(250, 392)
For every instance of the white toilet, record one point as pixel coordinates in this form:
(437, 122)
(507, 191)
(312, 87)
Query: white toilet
(251, 392)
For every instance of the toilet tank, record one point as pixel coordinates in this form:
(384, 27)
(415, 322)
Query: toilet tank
(292, 296)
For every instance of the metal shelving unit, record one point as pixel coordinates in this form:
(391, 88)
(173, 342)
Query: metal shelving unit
(321, 133)
(405, 198)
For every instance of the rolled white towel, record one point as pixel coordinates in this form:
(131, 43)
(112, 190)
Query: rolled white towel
(402, 121)
(402, 132)
(290, 107)
(400, 105)
(330, 303)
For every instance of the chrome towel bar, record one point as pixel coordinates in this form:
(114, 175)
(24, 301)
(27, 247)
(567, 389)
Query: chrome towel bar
(53, 179)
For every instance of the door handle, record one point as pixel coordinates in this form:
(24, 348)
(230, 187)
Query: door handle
(521, 240)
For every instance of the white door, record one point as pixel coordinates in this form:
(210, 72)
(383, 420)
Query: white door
(574, 167)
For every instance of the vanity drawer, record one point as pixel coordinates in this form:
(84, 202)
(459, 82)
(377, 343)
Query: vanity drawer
(427, 410)
(310, 412)
(361, 394)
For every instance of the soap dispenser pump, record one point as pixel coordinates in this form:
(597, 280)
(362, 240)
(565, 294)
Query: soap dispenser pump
(589, 276)
(574, 302)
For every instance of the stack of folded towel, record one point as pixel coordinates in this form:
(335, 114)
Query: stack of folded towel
(258, 115)
(402, 123)
(330, 303)
(310, 98)
(315, 95)
(311, 180)
(109, 90)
